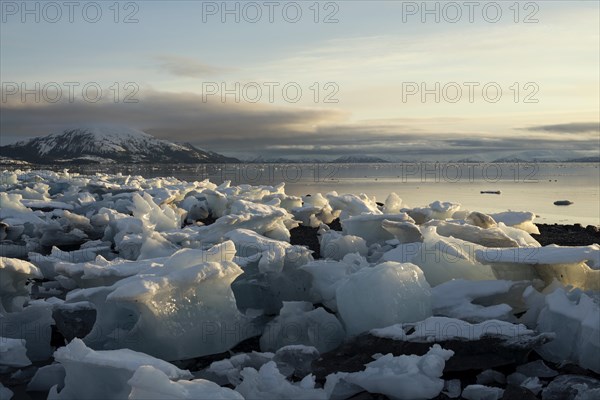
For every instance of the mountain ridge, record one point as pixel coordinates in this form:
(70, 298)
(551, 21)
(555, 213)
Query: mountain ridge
(107, 144)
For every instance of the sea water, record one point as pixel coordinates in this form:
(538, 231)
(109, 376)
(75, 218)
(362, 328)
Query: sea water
(522, 186)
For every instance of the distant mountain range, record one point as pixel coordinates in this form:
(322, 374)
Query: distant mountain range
(377, 160)
(585, 160)
(359, 159)
(339, 160)
(520, 160)
(107, 144)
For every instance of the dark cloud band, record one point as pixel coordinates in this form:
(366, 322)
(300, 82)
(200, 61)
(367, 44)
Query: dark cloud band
(248, 130)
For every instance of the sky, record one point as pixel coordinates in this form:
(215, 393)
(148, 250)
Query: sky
(311, 80)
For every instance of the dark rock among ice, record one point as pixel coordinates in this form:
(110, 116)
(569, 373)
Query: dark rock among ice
(537, 369)
(478, 355)
(563, 203)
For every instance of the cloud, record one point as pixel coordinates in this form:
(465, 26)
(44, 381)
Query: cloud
(174, 116)
(247, 130)
(187, 67)
(573, 127)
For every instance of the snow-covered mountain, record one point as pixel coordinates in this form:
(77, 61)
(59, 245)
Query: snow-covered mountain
(107, 144)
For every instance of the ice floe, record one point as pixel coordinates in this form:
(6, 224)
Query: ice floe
(13, 352)
(574, 317)
(151, 383)
(383, 295)
(401, 377)
(93, 374)
(184, 309)
(143, 277)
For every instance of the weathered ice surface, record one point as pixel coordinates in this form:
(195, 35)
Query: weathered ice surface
(401, 377)
(370, 226)
(182, 310)
(574, 266)
(13, 352)
(444, 258)
(574, 318)
(103, 374)
(14, 274)
(150, 383)
(269, 383)
(300, 323)
(477, 301)
(386, 294)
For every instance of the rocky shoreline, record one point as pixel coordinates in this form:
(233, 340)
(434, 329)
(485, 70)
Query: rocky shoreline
(494, 360)
(562, 235)
(567, 235)
(449, 347)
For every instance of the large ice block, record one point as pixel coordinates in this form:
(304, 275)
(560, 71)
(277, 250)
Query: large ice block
(383, 295)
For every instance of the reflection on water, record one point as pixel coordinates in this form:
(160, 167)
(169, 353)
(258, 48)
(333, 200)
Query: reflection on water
(523, 186)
